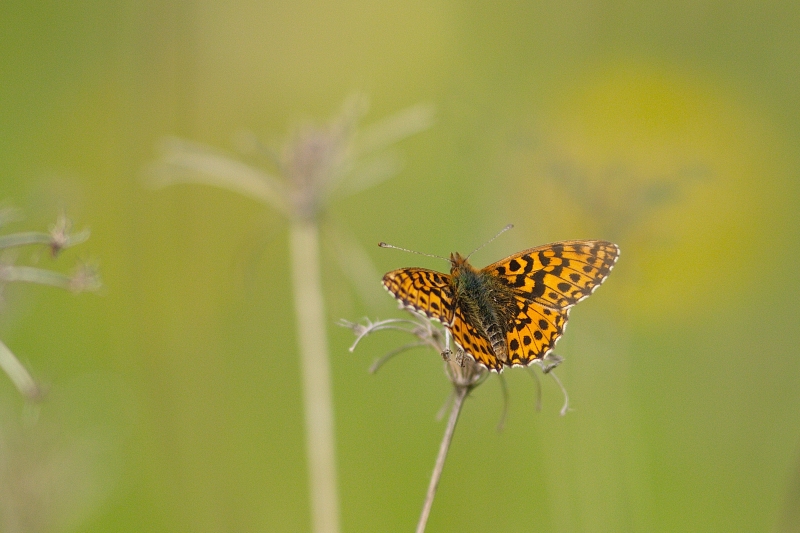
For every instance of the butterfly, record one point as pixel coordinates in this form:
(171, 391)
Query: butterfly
(511, 312)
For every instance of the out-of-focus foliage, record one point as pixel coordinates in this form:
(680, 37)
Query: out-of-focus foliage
(671, 129)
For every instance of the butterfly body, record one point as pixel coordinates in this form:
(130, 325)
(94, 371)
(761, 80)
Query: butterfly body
(512, 312)
(484, 300)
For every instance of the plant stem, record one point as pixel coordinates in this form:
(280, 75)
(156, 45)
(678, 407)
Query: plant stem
(25, 238)
(34, 275)
(18, 374)
(315, 367)
(461, 394)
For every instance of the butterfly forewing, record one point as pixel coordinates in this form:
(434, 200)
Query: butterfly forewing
(557, 275)
(422, 290)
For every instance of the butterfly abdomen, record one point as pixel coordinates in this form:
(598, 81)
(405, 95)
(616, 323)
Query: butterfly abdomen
(497, 337)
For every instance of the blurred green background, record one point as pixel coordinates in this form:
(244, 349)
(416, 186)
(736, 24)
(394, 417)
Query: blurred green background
(671, 128)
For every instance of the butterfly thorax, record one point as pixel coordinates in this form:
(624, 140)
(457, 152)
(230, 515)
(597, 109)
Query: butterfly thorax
(485, 300)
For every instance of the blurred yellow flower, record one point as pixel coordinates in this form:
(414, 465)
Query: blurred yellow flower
(664, 164)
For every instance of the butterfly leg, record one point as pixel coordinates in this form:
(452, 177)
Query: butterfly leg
(447, 353)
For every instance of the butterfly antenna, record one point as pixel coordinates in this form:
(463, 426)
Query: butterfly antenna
(490, 240)
(384, 245)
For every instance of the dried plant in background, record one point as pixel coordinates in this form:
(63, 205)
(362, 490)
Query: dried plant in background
(316, 165)
(462, 371)
(619, 199)
(84, 278)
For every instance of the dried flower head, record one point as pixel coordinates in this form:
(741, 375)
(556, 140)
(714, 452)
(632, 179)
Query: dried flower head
(85, 278)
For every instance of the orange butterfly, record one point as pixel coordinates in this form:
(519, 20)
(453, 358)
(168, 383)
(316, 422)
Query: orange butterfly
(512, 312)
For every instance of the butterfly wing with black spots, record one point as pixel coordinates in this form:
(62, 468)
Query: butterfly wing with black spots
(557, 275)
(425, 291)
(534, 331)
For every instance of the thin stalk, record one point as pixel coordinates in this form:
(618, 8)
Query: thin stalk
(458, 402)
(380, 362)
(24, 239)
(317, 395)
(60, 240)
(35, 275)
(19, 375)
(504, 414)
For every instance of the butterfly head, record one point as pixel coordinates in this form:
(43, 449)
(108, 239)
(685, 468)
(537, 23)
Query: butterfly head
(457, 262)
(459, 266)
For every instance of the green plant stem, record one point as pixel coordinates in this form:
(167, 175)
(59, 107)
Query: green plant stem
(35, 275)
(24, 239)
(17, 373)
(458, 403)
(317, 395)
(35, 237)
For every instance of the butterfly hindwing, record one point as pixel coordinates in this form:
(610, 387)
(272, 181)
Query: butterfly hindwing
(534, 331)
(557, 275)
(473, 342)
(425, 291)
